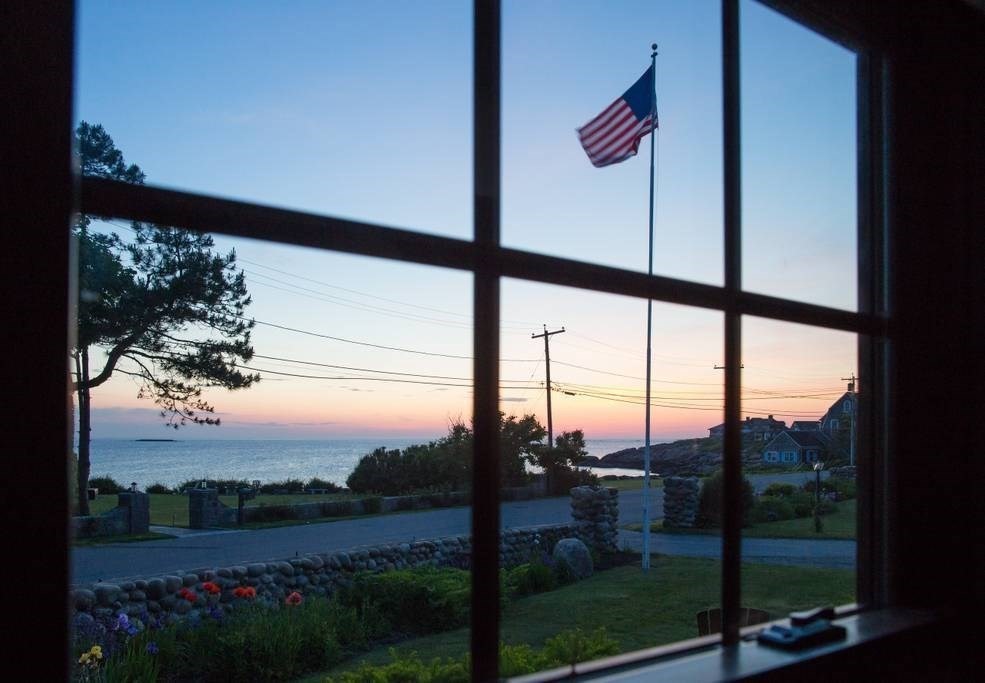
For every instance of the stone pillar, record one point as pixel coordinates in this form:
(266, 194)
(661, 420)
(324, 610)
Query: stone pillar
(595, 511)
(203, 508)
(137, 504)
(680, 502)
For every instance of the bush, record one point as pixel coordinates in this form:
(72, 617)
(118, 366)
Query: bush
(414, 601)
(779, 490)
(566, 648)
(710, 501)
(286, 486)
(316, 483)
(530, 578)
(563, 480)
(771, 509)
(106, 485)
(372, 505)
(158, 487)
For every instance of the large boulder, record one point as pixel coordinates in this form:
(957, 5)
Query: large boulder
(574, 555)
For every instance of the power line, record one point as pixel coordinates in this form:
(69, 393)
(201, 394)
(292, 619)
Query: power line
(379, 346)
(374, 379)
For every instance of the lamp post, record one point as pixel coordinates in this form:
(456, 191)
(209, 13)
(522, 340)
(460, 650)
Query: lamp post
(818, 466)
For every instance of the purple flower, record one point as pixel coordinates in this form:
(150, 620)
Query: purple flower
(152, 648)
(132, 630)
(215, 612)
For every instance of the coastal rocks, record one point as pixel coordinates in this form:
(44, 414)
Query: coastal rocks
(595, 511)
(574, 555)
(681, 496)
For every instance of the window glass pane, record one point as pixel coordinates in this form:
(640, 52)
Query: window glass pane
(561, 68)
(351, 108)
(597, 407)
(355, 495)
(799, 415)
(799, 162)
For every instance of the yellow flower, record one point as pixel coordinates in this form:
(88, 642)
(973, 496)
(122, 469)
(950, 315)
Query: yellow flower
(84, 659)
(96, 651)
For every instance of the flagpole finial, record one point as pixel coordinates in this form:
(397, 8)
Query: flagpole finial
(653, 47)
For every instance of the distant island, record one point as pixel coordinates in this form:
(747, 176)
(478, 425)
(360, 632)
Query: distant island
(155, 439)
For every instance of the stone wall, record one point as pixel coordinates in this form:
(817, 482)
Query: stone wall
(595, 511)
(130, 516)
(317, 574)
(680, 502)
(205, 510)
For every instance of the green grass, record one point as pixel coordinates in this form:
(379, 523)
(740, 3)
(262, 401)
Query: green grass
(840, 524)
(172, 510)
(638, 609)
(631, 484)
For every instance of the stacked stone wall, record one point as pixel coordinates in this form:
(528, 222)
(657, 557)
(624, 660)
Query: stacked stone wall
(595, 511)
(681, 495)
(316, 574)
(130, 516)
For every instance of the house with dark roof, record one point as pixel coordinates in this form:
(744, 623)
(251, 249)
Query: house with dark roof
(805, 425)
(760, 428)
(792, 447)
(838, 420)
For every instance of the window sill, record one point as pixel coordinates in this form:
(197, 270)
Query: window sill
(705, 659)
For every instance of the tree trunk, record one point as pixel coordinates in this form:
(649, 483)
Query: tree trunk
(83, 391)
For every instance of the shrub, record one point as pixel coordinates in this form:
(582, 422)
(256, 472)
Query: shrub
(779, 490)
(316, 483)
(568, 647)
(158, 487)
(272, 513)
(571, 647)
(530, 578)
(106, 484)
(288, 485)
(563, 480)
(771, 509)
(710, 501)
(414, 601)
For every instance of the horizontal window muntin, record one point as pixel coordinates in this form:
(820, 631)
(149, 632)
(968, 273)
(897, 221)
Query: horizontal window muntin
(188, 211)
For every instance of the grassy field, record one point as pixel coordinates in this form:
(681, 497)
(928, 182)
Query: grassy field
(639, 610)
(840, 524)
(631, 484)
(172, 510)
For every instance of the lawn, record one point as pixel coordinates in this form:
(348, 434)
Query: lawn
(168, 509)
(639, 610)
(631, 484)
(840, 524)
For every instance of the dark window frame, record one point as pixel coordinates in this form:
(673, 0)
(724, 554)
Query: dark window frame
(490, 262)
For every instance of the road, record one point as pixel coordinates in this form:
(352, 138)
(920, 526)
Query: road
(193, 550)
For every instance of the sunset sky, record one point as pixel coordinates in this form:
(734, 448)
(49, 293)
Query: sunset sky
(363, 110)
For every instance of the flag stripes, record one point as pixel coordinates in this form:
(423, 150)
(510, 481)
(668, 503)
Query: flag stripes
(615, 134)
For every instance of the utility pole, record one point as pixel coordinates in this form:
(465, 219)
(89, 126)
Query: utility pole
(851, 389)
(547, 364)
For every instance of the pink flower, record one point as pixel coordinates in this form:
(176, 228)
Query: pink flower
(294, 599)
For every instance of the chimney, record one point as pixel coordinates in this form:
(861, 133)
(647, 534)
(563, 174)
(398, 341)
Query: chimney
(851, 387)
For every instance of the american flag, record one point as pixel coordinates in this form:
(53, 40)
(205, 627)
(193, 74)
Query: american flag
(615, 134)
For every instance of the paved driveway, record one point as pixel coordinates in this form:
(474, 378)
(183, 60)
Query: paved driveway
(224, 548)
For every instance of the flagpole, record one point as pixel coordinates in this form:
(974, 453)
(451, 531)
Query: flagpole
(649, 331)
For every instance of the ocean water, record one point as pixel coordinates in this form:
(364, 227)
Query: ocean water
(173, 462)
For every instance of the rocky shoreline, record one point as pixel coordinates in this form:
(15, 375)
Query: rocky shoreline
(684, 458)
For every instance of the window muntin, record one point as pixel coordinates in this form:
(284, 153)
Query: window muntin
(861, 321)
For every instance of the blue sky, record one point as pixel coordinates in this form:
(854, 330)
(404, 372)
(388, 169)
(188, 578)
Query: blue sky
(363, 110)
